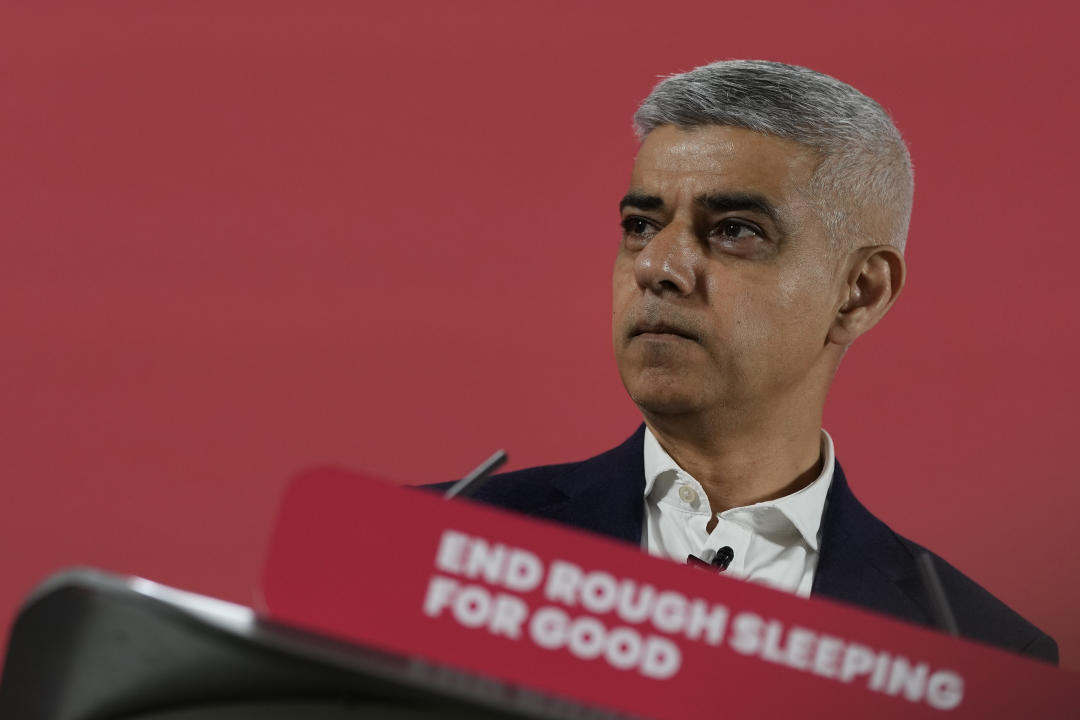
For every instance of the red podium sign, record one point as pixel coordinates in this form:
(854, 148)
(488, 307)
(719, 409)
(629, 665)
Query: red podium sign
(586, 618)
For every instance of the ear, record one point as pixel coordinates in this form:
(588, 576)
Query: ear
(874, 281)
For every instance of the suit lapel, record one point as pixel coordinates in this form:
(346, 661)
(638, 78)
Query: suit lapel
(604, 494)
(862, 562)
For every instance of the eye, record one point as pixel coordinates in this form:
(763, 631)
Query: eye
(736, 230)
(637, 230)
(738, 237)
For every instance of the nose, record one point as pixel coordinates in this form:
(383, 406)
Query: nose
(670, 261)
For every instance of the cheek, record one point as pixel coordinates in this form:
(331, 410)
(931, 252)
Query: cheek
(777, 319)
(803, 304)
(623, 288)
(806, 284)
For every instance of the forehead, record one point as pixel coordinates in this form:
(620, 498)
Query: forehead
(718, 158)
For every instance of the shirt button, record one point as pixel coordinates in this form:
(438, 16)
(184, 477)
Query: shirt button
(687, 494)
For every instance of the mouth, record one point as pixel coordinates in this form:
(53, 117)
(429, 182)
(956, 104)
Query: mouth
(662, 331)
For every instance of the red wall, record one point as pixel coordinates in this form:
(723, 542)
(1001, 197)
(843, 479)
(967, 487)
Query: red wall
(242, 238)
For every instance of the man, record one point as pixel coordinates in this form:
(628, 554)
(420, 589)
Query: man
(763, 232)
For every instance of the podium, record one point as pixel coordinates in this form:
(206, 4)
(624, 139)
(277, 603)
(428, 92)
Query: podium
(93, 645)
(388, 602)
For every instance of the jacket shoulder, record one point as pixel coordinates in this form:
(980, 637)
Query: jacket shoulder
(602, 494)
(865, 562)
(982, 616)
(519, 490)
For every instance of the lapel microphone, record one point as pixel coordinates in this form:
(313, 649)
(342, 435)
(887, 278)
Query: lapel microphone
(714, 559)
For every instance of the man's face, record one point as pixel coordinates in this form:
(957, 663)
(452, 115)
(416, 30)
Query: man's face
(724, 290)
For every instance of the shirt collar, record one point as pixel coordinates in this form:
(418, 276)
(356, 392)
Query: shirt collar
(803, 508)
(657, 461)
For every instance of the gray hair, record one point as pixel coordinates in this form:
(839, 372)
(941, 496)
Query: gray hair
(865, 169)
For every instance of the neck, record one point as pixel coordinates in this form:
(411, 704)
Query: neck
(742, 463)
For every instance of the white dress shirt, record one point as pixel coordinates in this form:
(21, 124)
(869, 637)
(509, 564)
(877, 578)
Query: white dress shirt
(775, 542)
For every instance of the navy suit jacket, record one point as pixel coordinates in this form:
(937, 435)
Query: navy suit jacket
(861, 561)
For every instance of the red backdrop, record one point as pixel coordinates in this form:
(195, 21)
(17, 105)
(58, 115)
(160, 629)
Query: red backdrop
(243, 238)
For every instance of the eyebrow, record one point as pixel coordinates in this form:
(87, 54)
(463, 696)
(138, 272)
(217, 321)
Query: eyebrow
(641, 201)
(727, 202)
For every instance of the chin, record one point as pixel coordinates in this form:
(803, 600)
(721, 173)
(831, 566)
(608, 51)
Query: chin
(667, 385)
(666, 398)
